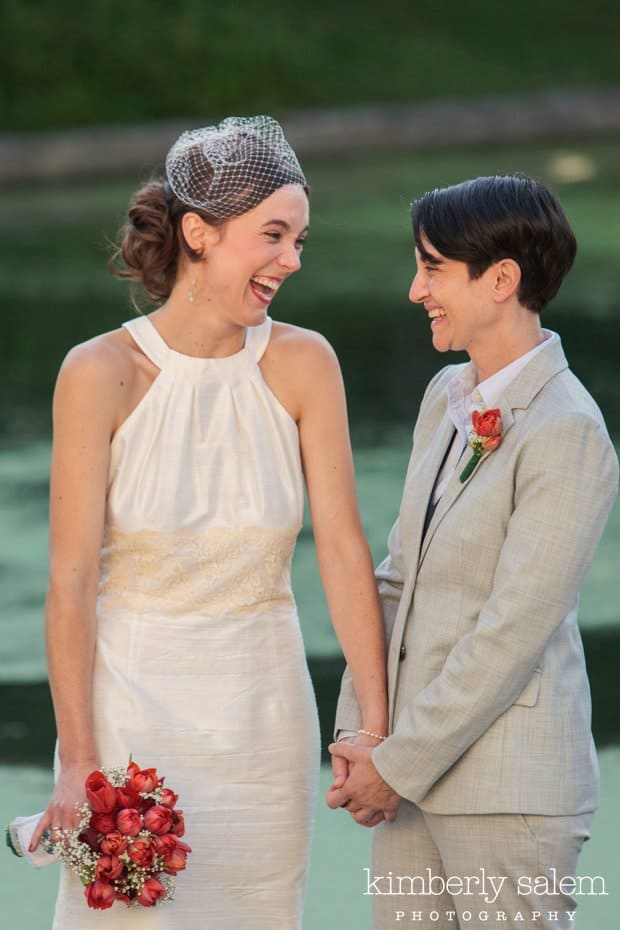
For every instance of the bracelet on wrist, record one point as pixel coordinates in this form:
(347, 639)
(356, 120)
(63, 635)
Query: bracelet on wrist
(374, 735)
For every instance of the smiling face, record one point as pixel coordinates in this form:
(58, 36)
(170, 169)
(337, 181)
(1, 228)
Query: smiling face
(248, 259)
(462, 311)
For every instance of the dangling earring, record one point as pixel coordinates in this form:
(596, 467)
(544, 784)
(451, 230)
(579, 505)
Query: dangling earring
(193, 291)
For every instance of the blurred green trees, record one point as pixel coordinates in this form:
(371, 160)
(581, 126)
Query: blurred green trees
(70, 63)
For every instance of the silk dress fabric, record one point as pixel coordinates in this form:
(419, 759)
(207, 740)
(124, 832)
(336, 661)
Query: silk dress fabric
(199, 665)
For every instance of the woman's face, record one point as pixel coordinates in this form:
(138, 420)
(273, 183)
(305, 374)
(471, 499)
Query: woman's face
(248, 259)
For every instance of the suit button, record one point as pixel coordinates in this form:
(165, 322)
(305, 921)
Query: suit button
(402, 653)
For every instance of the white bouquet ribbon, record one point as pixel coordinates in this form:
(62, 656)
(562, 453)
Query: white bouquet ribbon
(18, 835)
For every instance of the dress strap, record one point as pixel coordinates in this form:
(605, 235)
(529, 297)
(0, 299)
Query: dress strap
(146, 336)
(257, 339)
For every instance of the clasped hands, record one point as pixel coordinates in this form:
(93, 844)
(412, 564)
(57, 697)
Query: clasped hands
(357, 785)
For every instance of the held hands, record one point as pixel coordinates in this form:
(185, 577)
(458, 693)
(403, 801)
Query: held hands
(357, 785)
(69, 794)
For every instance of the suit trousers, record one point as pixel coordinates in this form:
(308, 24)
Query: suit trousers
(466, 871)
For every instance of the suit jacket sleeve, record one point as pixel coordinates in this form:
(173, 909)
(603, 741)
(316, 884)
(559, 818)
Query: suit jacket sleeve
(564, 486)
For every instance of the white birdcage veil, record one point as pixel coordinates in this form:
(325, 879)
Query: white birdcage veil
(229, 168)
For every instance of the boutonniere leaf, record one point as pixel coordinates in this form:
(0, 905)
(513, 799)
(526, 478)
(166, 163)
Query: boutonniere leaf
(485, 436)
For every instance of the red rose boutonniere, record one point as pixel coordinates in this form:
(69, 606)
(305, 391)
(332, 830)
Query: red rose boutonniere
(485, 436)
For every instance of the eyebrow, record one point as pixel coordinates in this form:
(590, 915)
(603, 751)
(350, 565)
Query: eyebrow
(284, 225)
(428, 257)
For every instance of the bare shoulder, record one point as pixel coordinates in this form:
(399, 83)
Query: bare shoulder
(302, 370)
(98, 382)
(98, 363)
(295, 346)
(94, 358)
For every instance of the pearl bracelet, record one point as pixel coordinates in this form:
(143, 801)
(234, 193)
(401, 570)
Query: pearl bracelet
(374, 735)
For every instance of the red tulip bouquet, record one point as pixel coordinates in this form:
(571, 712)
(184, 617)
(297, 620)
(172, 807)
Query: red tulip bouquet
(127, 846)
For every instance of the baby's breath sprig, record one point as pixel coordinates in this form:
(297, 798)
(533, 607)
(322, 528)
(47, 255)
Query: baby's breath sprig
(116, 776)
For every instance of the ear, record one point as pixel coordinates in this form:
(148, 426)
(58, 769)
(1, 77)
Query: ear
(198, 234)
(506, 279)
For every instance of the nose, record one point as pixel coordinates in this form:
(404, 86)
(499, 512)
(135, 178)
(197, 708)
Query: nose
(290, 259)
(418, 292)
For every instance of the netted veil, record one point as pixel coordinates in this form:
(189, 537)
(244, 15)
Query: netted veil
(229, 168)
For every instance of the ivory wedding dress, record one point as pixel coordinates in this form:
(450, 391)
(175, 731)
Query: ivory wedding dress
(199, 667)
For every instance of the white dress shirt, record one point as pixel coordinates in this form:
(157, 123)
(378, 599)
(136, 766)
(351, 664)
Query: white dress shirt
(465, 396)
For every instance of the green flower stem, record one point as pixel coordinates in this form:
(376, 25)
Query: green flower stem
(470, 466)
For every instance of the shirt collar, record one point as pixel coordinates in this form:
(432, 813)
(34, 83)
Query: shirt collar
(464, 395)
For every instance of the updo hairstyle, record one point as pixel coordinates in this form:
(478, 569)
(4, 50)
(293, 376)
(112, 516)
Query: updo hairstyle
(152, 240)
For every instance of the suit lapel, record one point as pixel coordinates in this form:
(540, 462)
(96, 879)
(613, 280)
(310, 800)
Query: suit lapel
(420, 484)
(519, 395)
(418, 489)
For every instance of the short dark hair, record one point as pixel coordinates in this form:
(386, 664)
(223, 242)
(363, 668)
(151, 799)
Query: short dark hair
(482, 221)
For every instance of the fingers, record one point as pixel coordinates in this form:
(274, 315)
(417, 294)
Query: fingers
(57, 816)
(373, 821)
(391, 810)
(41, 827)
(340, 771)
(53, 821)
(345, 749)
(335, 798)
(367, 817)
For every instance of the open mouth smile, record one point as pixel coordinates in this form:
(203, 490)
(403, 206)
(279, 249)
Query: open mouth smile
(265, 288)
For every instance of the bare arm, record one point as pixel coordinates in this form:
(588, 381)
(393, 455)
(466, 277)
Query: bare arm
(86, 403)
(303, 371)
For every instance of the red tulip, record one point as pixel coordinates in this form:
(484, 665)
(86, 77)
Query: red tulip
(108, 868)
(168, 798)
(158, 819)
(100, 794)
(114, 843)
(165, 844)
(103, 823)
(128, 821)
(175, 860)
(100, 895)
(141, 779)
(127, 797)
(178, 823)
(488, 423)
(150, 893)
(142, 852)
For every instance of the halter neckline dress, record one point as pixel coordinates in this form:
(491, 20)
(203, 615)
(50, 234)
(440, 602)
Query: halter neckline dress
(199, 664)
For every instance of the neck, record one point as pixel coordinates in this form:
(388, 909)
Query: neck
(197, 330)
(517, 336)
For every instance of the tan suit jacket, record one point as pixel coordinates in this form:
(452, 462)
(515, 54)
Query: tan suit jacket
(489, 699)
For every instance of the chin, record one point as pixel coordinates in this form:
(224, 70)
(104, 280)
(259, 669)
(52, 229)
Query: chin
(255, 316)
(440, 345)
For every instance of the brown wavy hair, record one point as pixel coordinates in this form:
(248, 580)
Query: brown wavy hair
(151, 240)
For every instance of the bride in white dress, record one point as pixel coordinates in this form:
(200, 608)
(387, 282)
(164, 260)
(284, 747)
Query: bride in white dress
(181, 442)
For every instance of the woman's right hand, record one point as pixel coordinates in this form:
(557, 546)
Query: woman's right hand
(69, 795)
